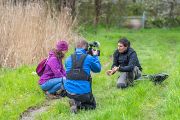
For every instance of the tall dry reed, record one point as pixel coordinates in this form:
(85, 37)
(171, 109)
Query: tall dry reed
(28, 32)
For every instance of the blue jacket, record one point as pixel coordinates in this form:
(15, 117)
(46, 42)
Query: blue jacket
(91, 63)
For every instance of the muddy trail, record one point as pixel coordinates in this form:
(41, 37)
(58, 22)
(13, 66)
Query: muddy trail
(32, 112)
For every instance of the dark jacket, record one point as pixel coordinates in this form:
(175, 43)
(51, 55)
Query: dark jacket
(127, 60)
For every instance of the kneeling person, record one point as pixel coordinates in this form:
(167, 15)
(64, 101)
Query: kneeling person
(125, 61)
(78, 82)
(54, 72)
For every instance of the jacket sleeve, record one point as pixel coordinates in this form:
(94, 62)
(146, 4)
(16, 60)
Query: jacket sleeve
(115, 59)
(131, 63)
(95, 64)
(54, 64)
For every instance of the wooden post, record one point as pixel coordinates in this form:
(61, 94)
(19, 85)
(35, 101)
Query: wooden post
(143, 19)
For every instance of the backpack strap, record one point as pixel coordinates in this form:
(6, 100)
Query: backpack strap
(78, 63)
(77, 72)
(73, 57)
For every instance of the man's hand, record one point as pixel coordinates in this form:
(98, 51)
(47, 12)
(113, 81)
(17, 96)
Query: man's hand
(94, 52)
(109, 72)
(115, 69)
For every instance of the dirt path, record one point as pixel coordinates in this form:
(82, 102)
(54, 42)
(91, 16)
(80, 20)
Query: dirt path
(31, 112)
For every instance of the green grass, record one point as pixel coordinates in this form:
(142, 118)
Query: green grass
(19, 91)
(158, 51)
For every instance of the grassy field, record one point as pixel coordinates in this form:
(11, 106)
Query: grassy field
(158, 51)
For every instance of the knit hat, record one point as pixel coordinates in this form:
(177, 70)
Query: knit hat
(62, 45)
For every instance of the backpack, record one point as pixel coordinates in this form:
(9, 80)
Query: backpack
(77, 72)
(41, 67)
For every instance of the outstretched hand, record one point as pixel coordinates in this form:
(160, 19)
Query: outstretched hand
(115, 69)
(110, 72)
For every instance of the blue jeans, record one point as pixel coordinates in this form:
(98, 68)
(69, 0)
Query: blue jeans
(53, 85)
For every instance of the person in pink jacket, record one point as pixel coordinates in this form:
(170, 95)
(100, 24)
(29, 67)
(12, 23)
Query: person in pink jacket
(54, 73)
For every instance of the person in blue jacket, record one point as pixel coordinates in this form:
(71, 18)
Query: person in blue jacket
(78, 83)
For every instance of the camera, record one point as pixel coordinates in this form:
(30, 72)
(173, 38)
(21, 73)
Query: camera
(93, 46)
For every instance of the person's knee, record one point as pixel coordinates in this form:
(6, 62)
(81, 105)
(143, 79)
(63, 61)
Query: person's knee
(55, 88)
(121, 85)
(135, 68)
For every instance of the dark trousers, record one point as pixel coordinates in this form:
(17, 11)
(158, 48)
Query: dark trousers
(127, 78)
(84, 101)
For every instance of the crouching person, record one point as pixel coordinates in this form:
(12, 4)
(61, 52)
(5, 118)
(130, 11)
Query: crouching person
(125, 61)
(54, 72)
(78, 82)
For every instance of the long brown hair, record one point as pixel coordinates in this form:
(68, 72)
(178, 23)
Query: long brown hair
(58, 54)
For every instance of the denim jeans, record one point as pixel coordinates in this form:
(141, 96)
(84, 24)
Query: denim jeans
(53, 85)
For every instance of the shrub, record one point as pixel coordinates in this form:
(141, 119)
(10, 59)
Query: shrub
(163, 22)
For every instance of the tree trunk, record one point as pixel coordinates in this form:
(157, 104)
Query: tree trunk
(97, 11)
(171, 12)
(134, 1)
(71, 4)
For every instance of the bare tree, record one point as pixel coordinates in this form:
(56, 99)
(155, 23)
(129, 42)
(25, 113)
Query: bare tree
(172, 7)
(97, 11)
(69, 4)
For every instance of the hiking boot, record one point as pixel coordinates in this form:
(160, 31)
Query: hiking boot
(121, 85)
(61, 93)
(52, 96)
(73, 106)
(73, 109)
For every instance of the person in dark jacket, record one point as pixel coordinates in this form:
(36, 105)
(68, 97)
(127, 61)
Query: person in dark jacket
(54, 73)
(125, 61)
(78, 82)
